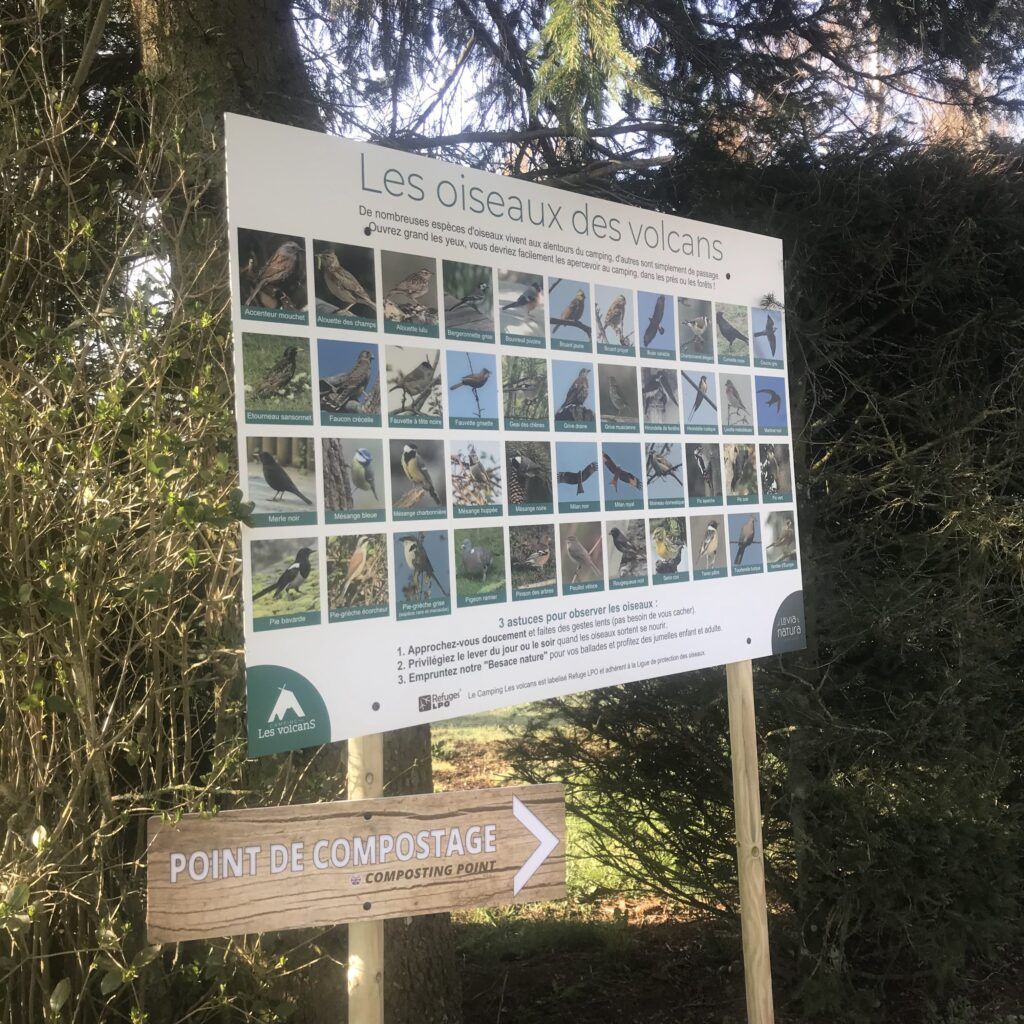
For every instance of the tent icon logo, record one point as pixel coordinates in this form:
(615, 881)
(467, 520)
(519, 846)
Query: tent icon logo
(286, 702)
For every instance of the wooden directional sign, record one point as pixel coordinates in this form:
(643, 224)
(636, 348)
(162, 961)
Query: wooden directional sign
(274, 868)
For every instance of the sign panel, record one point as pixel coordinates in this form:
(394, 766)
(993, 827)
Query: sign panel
(274, 868)
(502, 441)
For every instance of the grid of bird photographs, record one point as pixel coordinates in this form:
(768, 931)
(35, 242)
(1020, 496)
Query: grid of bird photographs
(479, 434)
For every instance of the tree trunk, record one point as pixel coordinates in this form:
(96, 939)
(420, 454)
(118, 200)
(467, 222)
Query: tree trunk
(203, 58)
(337, 491)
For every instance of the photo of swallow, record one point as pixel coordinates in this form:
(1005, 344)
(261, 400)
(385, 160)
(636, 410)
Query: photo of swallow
(773, 400)
(284, 577)
(525, 391)
(744, 534)
(344, 285)
(732, 333)
(280, 478)
(660, 392)
(273, 272)
(768, 336)
(528, 472)
(581, 556)
(627, 555)
(736, 402)
(768, 333)
(472, 389)
(780, 533)
(421, 573)
(669, 547)
(414, 386)
(776, 472)
(479, 566)
(522, 308)
(700, 401)
(357, 576)
(349, 380)
(276, 377)
(695, 334)
(351, 485)
(704, 473)
(476, 475)
(533, 560)
(571, 327)
(740, 473)
(772, 412)
(618, 396)
(409, 286)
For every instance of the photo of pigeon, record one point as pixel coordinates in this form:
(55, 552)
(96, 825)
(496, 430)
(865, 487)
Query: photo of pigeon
(475, 560)
(479, 566)
(745, 538)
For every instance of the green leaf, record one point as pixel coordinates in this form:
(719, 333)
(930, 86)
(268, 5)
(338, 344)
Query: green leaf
(146, 955)
(17, 896)
(59, 995)
(112, 981)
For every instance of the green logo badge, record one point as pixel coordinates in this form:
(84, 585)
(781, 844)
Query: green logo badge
(285, 711)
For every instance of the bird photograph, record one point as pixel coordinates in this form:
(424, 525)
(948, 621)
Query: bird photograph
(524, 390)
(577, 477)
(655, 317)
(414, 386)
(522, 308)
(528, 472)
(479, 566)
(581, 556)
(273, 271)
(357, 576)
(472, 389)
(418, 479)
(700, 402)
(780, 539)
(569, 314)
(740, 472)
(663, 468)
(695, 331)
(409, 287)
(468, 301)
(285, 577)
(571, 387)
(659, 390)
(276, 378)
(736, 403)
(344, 286)
(776, 472)
(745, 541)
(614, 320)
(623, 473)
(767, 327)
(627, 550)
(422, 572)
(534, 562)
(349, 381)
(476, 475)
(668, 546)
(709, 553)
(770, 393)
(353, 479)
(732, 333)
(281, 478)
(704, 473)
(617, 391)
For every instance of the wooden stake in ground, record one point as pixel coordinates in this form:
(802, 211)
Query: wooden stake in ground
(366, 938)
(757, 968)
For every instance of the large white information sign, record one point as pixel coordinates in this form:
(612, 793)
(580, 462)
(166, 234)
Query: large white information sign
(502, 441)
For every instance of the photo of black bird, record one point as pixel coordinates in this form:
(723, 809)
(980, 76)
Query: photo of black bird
(740, 466)
(659, 387)
(419, 563)
(704, 468)
(774, 398)
(702, 393)
(618, 473)
(730, 333)
(279, 375)
(342, 284)
(768, 333)
(291, 579)
(577, 393)
(529, 298)
(746, 538)
(578, 477)
(416, 470)
(654, 326)
(278, 480)
(529, 480)
(474, 381)
(339, 389)
(278, 270)
(474, 299)
(625, 546)
(362, 471)
(476, 561)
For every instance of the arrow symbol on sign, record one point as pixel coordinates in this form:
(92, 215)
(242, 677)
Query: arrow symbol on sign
(548, 841)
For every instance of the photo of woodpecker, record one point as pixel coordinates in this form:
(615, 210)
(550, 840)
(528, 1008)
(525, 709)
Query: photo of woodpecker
(710, 547)
(578, 476)
(669, 550)
(626, 545)
(277, 379)
(656, 325)
(354, 476)
(468, 301)
(357, 577)
(620, 410)
(349, 385)
(524, 392)
(414, 386)
(746, 555)
(696, 333)
(285, 578)
(272, 276)
(570, 314)
(422, 574)
(614, 320)
(534, 561)
(472, 390)
(776, 472)
(772, 406)
(769, 337)
(522, 308)
(476, 475)
(409, 289)
(732, 334)
(528, 477)
(740, 474)
(344, 286)
(659, 397)
(581, 556)
(281, 480)
(479, 566)
(418, 479)
(664, 474)
(704, 473)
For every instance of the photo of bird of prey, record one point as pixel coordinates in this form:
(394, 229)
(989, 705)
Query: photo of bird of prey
(472, 389)
(476, 475)
(660, 391)
(732, 333)
(349, 380)
(357, 575)
(668, 546)
(655, 315)
(533, 559)
(695, 331)
(276, 378)
(409, 287)
(285, 576)
(479, 566)
(570, 314)
(468, 301)
(736, 403)
(421, 570)
(780, 536)
(772, 412)
(618, 474)
(571, 381)
(525, 390)
(281, 478)
(353, 479)
(577, 478)
(617, 391)
(744, 534)
(522, 308)
(768, 336)
(528, 472)
(627, 554)
(614, 320)
(414, 386)
(581, 551)
(273, 271)
(344, 286)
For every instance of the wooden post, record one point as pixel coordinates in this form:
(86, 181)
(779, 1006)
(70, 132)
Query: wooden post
(757, 970)
(366, 938)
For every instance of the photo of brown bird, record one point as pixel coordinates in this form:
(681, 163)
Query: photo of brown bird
(774, 398)
(661, 466)
(414, 287)
(619, 473)
(654, 326)
(579, 390)
(699, 326)
(578, 477)
(785, 540)
(473, 381)
(342, 284)
(746, 538)
(576, 306)
(341, 388)
(415, 382)
(735, 401)
(278, 270)
(279, 375)
(358, 564)
(539, 559)
(617, 398)
(581, 558)
(615, 316)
